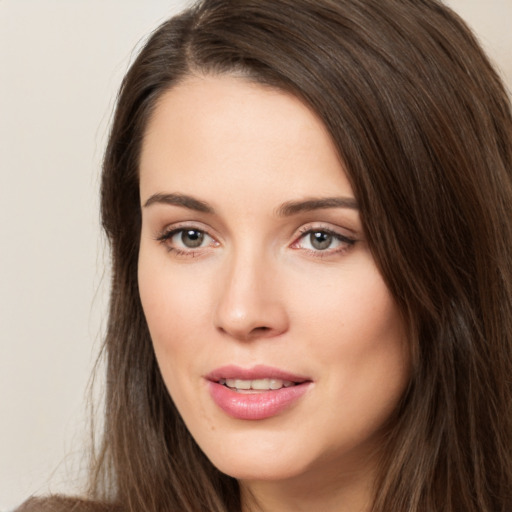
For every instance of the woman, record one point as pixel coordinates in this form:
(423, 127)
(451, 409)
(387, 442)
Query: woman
(308, 204)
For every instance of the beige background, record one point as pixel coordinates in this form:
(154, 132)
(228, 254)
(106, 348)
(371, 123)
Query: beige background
(61, 62)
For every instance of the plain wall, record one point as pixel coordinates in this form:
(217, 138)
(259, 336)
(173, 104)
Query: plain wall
(61, 63)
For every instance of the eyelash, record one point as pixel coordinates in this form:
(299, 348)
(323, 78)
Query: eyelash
(165, 238)
(345, 242)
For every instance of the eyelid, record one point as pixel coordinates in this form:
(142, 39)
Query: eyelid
(165, 235)
(347, 240)
(181, 226)
(328, 226)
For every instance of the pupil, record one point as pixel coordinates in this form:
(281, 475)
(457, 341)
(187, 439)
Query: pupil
(320, 240)
(192, 238)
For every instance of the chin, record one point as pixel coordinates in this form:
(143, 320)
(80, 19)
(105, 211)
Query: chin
(264, 457)
(248, 469)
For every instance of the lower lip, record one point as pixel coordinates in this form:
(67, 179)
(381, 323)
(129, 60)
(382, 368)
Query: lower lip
(255, 406)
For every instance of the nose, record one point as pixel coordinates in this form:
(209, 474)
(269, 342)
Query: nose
(250, 304)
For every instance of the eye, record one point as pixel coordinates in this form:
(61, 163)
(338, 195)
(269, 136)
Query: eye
(323, 240)
(186, 240)
(190, 238)
(320, 240)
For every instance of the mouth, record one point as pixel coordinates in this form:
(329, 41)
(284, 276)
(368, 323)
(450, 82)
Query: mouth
(255, 394)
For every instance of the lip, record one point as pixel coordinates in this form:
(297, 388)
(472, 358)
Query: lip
(256, 372)
(258, 405)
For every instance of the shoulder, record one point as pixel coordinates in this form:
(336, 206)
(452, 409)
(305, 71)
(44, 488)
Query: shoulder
(65, 504)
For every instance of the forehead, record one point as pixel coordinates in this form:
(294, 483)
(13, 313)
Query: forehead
(224, 131)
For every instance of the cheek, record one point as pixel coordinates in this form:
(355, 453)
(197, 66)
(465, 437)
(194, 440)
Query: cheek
(169, 296)
(174, 304)
(362, 342)
(353, 312)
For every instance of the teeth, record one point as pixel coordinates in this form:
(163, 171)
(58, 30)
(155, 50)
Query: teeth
(256, 384)
(241, 384)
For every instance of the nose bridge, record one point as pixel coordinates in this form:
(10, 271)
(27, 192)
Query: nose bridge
(249, 303)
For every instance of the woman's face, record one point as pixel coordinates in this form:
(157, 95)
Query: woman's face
(275, 334)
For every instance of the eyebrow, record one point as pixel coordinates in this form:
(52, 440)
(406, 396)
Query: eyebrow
(294, 207)
(285, 210)
(179, 200)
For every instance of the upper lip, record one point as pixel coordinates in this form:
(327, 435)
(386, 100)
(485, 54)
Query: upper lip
(256, 372)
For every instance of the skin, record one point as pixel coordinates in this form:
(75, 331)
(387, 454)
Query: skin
(259, 290)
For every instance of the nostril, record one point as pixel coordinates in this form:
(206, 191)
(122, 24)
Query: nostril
(260, 330)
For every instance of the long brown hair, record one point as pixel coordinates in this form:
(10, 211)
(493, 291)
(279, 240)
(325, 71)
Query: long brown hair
(423, 125)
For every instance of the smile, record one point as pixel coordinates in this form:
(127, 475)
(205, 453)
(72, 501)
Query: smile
(255, 394)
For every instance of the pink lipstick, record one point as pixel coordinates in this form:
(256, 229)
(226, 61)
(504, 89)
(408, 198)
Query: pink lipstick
(256, 393)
